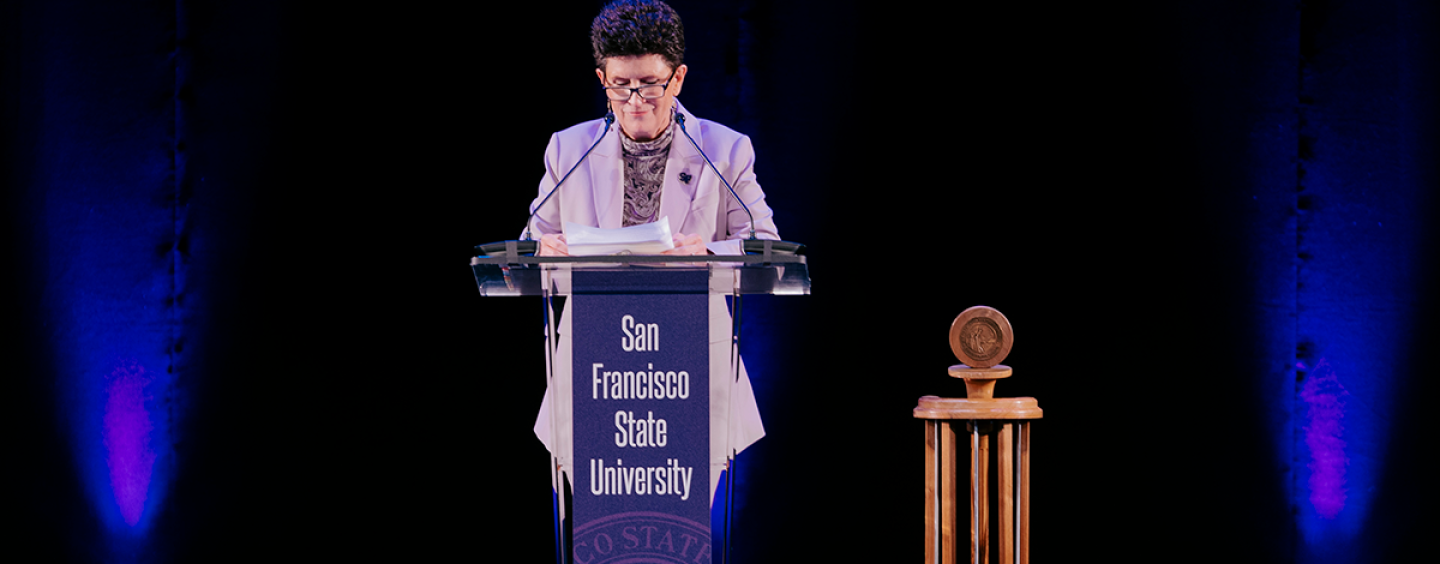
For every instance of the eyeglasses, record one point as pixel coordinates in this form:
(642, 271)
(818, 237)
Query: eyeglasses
(646, 91)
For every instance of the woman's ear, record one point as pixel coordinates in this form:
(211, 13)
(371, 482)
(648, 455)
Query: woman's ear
(679, 80)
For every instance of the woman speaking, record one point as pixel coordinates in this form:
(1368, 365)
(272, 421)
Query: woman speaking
(647, 168)
(638, 170)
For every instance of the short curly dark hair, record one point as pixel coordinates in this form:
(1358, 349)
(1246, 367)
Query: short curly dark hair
(635, 28)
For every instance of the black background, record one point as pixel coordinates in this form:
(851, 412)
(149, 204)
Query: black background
(1075, 166)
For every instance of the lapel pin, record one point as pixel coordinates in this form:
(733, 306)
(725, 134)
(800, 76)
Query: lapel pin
(685, 176)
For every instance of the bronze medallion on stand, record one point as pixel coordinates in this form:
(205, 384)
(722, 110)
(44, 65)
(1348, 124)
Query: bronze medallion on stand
(981, 338)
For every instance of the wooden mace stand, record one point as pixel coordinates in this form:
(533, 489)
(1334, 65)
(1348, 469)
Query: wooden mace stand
(982, 416)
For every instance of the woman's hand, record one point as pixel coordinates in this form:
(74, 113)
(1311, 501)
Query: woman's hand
(553, 245)
(687, 245)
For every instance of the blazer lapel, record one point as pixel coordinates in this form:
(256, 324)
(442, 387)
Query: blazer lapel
(682, 174)
(607, 180)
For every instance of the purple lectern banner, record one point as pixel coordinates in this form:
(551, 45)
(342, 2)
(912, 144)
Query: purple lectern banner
(641, 405)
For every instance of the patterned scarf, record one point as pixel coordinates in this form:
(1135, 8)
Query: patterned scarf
(645, 175)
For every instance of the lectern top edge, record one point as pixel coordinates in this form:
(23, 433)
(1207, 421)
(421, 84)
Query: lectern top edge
(757, 251)
(509, 268)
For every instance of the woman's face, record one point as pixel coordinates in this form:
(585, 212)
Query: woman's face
(641, 119)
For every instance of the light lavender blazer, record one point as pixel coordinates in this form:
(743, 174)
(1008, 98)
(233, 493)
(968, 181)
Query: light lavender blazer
(594, 195)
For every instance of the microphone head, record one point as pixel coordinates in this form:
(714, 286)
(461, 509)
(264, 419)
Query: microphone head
(680, 119)
(609, 118)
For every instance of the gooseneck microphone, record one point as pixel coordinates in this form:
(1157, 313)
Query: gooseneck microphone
(680, 119)
(609, 120)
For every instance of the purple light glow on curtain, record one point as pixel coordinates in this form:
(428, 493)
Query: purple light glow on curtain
(127, 439)
(109, 240)
(1324, 428)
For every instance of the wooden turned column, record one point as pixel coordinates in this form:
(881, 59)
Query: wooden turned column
(979, 416)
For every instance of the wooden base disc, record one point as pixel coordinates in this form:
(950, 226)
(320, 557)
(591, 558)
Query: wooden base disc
(980, 382)
(990, 373)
